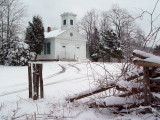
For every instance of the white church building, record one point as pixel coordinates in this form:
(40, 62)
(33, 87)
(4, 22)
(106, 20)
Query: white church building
(64, 43)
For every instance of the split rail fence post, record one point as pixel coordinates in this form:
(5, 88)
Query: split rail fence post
(41, 81)
(37, 79)
(147, 94)
(35, 97)
(30, 79)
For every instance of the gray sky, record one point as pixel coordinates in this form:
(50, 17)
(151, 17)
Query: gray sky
(50, 10)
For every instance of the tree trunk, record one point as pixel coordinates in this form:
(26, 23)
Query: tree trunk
(119, 60)
(8, 27)
(35, 57)
(3, 54)
(109, 59)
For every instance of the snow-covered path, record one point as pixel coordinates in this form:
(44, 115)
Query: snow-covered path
(60, 79)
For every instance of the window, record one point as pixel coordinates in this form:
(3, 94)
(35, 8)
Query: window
(64, 22)
(44, 48)
(71, 22)
(49, 48)
(71, 34)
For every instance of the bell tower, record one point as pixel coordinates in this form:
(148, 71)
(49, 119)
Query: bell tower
(68, 20)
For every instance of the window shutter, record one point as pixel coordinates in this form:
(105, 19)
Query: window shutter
(49, 47)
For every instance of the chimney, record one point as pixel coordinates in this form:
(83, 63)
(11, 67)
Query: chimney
(49, 29)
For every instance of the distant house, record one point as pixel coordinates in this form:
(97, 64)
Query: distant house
(64, 43)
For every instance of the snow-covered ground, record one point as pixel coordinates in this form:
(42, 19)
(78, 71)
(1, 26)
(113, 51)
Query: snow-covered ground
(61, 80)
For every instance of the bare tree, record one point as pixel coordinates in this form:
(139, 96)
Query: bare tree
(104, 22)
(120, 21)
(2, 19)
(152, 37)
(128, 32)
(11, 14)
(88, 24)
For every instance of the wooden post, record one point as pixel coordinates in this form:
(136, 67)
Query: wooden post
(37, 81)
(37, 77)
(41, 81)
(30, 79)
(147, 94)
(34, 82)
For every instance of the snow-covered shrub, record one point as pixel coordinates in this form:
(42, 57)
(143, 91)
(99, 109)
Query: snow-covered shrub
(18, 54)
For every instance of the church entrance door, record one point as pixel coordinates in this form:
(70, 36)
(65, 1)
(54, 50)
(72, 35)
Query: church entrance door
(64, 52)
(77, 52)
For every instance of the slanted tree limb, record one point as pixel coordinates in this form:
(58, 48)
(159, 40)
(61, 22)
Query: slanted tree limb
(134, 77)
(134, 91)
(155, 98)
(120, 106)
(89, 93)
(155, 81)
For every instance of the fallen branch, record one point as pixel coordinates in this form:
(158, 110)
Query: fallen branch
(125, 89)
(134, 91)
(155, 98)
(119, 106)
(135, 76)
(155, 81)
(98, 90)
(155, 88)
(89, 93)
(121, 88)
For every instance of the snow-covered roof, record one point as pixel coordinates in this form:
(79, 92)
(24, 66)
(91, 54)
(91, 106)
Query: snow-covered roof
(67, 13)
(54, 33)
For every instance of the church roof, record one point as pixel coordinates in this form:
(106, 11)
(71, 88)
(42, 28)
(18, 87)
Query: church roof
(54, 33)
(67, 13)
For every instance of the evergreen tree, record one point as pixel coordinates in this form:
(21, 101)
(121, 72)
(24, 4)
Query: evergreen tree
(35, 35)
(157, 50)
(94, 48)
(110, 46)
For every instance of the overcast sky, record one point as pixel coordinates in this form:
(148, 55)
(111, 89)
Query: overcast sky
(50, 10)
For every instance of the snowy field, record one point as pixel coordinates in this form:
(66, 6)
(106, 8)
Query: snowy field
(61, 80)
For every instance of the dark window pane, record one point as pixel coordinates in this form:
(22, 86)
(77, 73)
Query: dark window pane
(44, 48)
(64, 22)
(71, 22)
(71, 34)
